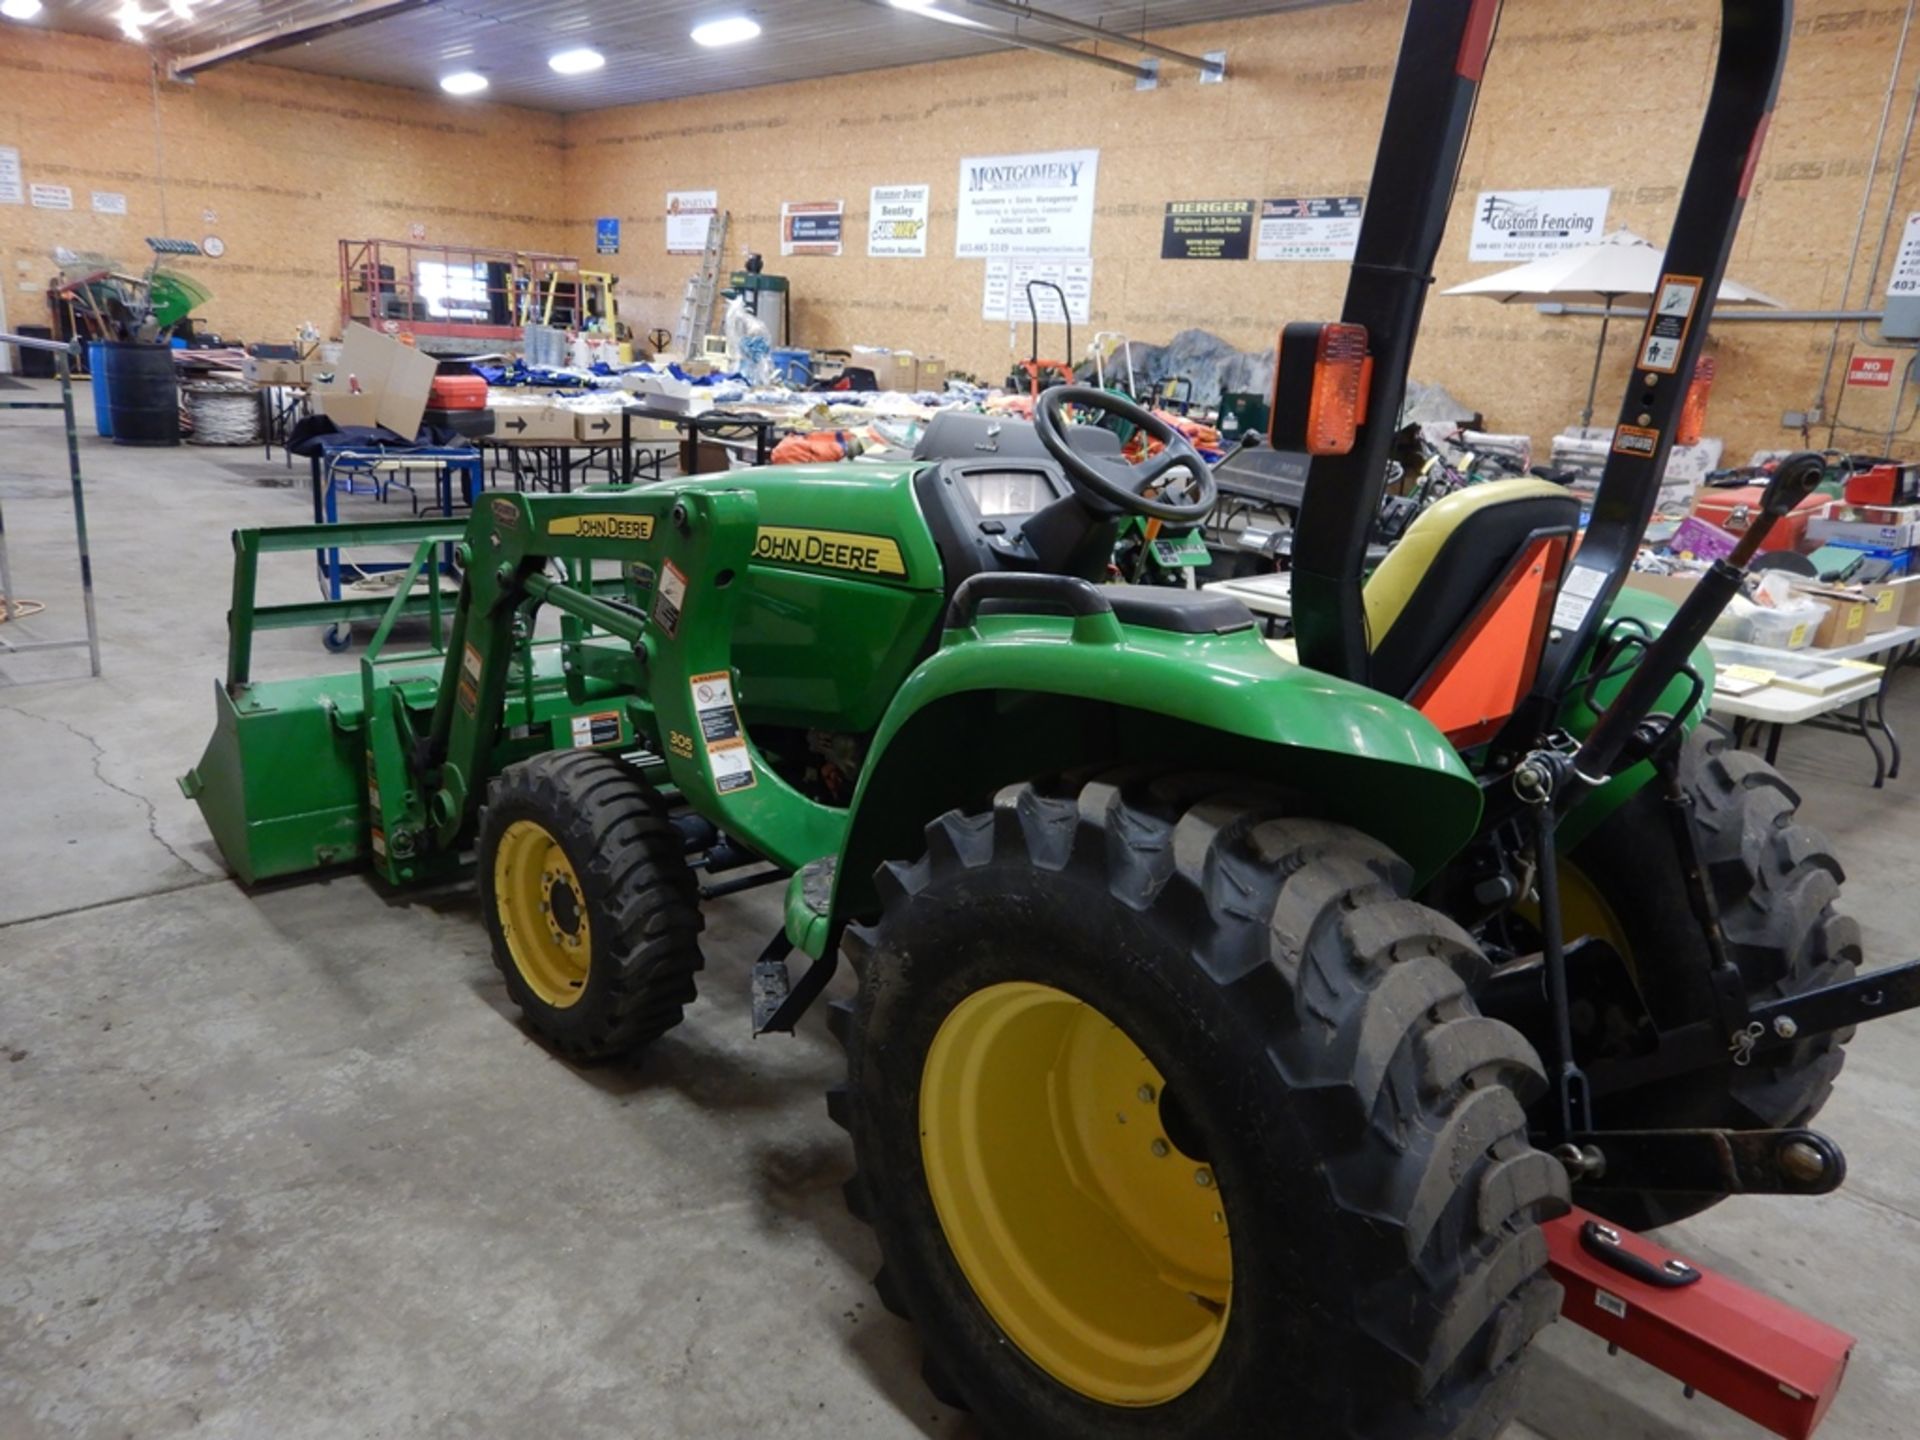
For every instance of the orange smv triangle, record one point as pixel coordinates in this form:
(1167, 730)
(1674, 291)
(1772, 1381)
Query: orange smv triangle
(1480, 678)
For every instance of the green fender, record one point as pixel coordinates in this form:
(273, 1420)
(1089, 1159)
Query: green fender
(1020, 695)
(1577, 718)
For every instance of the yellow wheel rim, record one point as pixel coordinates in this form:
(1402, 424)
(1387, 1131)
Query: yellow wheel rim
(1583, 911)
(1094, 1241)
(543, 913)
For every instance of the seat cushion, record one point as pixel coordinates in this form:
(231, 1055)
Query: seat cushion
(1184, 612)
(1435, 580)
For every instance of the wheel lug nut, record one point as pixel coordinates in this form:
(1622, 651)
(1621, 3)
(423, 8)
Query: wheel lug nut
(1160, 1149)
(1203, 1178)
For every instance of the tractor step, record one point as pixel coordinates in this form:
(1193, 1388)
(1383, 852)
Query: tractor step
(1758, 1357)
(771, 982)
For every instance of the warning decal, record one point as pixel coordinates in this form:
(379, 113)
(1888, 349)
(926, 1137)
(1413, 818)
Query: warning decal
(719, 722)
(1669, 321)
(603, 527)
(1633, 440)
(1577, 594)
(600, 728)
(670, 599)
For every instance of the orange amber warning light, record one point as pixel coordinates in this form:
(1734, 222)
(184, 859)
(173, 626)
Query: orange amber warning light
(1320, 387)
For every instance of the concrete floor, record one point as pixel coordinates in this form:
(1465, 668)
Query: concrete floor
(283, 1163)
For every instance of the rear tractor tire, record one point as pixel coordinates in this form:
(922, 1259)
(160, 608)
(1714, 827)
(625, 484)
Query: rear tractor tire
(593, 912)
(1775, 882)
(1174, 1116)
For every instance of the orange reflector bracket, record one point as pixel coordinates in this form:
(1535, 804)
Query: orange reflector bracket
(1320, 387)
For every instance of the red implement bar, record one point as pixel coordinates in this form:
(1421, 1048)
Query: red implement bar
(1758, 1357)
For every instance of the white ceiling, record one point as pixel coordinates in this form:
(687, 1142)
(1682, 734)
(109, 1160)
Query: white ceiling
(649, 53)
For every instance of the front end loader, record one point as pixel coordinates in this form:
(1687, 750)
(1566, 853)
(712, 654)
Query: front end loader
(1233, 1027)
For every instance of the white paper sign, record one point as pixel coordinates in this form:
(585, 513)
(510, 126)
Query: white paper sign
(897, 221)
(1309, 227)
(52, 197)
(1006, 290)
(1027, 206)
(12, 190)
(1526, 224)
(689, 213)
(1905, 279)
(109, 202)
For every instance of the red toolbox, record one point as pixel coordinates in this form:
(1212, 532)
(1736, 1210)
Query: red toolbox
(457, 392)
(1731, 510)
(1887, 484)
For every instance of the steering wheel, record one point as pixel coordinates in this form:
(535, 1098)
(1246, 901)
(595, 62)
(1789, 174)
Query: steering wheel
(1090, 476)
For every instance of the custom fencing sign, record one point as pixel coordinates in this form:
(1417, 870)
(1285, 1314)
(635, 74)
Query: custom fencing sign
(1526, 224)
(1207, 230)
(1036, 206)
(1309, 227)
(897, 221)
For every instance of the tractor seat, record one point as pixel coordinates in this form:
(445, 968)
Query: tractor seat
(1458, 611)
(1152, 607)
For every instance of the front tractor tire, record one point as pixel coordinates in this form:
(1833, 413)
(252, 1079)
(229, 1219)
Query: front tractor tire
(593, 911)
(1174, 1116)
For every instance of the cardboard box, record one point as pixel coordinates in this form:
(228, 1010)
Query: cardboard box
(272, 372)
(312, 372)
(1846, 618)
(1673, 588)
(654, 432)
(892, 369)
(931, 373)
(598, 426)
(1909, 589)
(531, 417)
(1901, 533)
(1881, 604)
(377, 382)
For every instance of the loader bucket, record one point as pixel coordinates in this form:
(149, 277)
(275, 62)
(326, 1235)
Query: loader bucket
(283, 784)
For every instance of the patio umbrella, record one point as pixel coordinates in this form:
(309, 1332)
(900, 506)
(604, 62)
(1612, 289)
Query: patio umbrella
(1618, 267)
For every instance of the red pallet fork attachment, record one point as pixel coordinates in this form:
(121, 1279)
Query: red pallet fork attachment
(1758, 1357)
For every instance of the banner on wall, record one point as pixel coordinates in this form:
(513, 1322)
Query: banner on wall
(1207, 230)
(1027, 206)
(13, 190)
(606, 235)
(812, 227)
(689, 213)
(1526, 224)
(1309, 227)
(897, 221)
(1006, 291)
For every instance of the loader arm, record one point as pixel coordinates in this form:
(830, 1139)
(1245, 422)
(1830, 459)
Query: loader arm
(658, 651)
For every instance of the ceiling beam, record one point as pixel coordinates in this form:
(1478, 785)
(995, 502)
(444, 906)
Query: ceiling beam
(346, 16)
(1216, 68)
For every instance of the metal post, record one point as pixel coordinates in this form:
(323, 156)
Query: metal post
(65, 360)
(1593, 385)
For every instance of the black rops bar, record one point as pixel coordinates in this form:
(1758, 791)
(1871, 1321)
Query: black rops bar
(1443, 52)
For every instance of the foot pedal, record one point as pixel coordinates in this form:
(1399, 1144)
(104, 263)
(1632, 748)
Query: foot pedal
(771, 982)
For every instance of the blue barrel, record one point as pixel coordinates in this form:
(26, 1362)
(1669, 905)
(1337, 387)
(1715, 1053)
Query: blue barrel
(143, 397)
(97, 370)
(794, 367)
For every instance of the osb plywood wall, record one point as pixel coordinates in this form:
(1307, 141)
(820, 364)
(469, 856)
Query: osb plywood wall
(279, 165)
(1577, 95)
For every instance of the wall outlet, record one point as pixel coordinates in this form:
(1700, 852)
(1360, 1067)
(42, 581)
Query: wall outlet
(1794, 420)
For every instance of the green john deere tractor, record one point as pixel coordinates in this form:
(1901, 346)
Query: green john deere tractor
(1228, 1024)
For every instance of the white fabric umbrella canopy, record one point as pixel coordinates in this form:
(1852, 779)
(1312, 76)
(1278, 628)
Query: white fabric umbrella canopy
(1623, 265)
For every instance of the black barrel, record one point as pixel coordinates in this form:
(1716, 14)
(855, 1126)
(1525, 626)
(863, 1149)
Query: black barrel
(143, 399)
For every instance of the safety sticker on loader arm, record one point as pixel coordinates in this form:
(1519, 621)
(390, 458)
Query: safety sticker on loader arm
(670, 599)
(1669, 321)
(720, 730)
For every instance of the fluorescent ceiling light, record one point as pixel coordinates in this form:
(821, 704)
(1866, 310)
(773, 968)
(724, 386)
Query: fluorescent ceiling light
(577, 62)
(914, 4)
(463, 82)
(20, 9)
(730, 31)
(930, 10)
